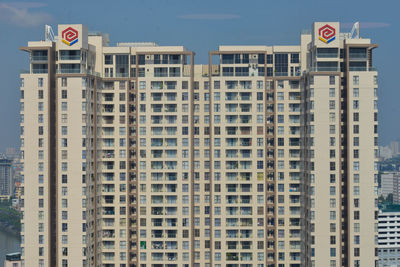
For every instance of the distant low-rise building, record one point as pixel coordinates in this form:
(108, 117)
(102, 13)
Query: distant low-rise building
(385, 152)
(394, 146)
(389, 239)
(390, 184)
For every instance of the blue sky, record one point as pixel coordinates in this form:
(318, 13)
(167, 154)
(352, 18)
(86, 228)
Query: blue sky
(200, 26)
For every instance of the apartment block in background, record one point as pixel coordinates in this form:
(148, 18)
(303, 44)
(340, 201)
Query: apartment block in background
(390, 184)
(388, 239)
(135, 156)
(6, 178)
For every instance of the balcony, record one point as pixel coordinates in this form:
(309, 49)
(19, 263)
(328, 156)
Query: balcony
(232, 199)
(108, 189)
(157, 211)
(108, 234)
(245, 142)
(294, 188)
(157, 234)
(157, 222)
(157, 245)
(172, 256)
(232, 211)
(232, 257)
(108, 211)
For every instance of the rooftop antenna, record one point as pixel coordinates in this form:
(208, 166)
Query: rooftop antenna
(48, 33)
(355, 31)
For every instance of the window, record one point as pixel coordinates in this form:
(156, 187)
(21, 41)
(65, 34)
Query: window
(217, 85)
(281, 130)
(332, 117)
(331, 104)
(332, 166)
(356, 190)
(332, 190)
(64, 82)
(64, 130)
(356, 141)
(64, 94)
(294, 58)
(108, 59)
(356, 165)
(355, 104)
(280, 119)
(260, 85)
(356, 92)
(356, 227)
(356, 116)
(333, 252)
(332, 227)
(332, 203)
(331, 92)
(40, 82)
(331, 80)
(356, 80)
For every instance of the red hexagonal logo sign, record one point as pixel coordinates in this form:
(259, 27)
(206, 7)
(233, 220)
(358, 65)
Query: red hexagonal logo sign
(327, 33)
(69, 36)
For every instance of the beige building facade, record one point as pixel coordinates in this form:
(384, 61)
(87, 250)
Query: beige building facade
(136, 156)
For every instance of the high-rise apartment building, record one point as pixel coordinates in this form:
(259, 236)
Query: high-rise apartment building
(135, 156)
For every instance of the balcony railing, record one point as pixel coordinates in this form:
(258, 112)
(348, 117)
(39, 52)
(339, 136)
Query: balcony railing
(324, 69)
(77, 71)
(357, 55)
(70, 57)
(363, 69)
(36, 71)
(39, 58)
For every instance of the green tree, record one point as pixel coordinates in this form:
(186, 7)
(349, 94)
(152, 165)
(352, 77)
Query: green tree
(389, 198)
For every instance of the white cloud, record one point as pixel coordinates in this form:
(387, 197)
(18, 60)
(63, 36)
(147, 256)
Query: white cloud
(209, 16)
(367, 25)
(19, 14)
